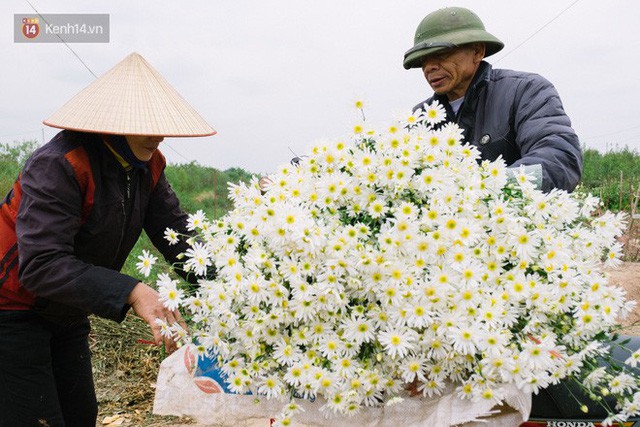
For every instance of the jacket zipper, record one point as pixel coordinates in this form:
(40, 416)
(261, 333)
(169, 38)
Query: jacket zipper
(124, 202)
(128, 185)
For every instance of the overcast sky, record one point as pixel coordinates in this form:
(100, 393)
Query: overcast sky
(275, 76)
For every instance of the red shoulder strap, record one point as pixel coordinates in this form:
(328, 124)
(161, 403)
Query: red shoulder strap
(79, 161)
(156, 165)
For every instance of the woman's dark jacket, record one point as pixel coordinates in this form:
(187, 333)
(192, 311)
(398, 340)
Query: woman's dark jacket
(69, 223)
(519, 116)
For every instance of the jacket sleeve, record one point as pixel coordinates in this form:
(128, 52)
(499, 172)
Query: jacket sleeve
(49, 217)
(164, 212)
(544, 134)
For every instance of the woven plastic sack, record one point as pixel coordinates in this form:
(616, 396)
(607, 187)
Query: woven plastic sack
(190, 387)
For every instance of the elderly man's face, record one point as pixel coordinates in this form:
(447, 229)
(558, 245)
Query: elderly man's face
(450, 72)
(142, 146)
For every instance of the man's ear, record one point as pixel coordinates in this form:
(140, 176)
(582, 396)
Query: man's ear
(479, 49)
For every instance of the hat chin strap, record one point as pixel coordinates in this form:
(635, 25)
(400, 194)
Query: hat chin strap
(429, 45)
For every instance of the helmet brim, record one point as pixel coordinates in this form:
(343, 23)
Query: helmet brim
(413, 58)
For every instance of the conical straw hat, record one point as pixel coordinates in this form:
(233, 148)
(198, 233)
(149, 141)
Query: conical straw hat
(130, 99)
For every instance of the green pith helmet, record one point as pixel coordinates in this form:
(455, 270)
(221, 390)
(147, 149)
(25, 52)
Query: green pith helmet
(445, 29)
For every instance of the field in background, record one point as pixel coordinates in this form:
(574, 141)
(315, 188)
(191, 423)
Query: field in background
(125, 365)
(614, 177)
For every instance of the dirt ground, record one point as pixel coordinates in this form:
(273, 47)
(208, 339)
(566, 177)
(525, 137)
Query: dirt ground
(627, 276)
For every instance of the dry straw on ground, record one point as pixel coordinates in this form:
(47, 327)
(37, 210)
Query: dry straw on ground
(125, 366)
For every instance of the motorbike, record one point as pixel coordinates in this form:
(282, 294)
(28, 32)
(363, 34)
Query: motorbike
(560, 405)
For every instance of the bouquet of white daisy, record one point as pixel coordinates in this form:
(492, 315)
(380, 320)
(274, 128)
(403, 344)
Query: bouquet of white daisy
(397, 258)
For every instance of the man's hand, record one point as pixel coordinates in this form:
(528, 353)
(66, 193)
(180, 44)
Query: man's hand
(145, 302)
(264, 184)
(412, 388)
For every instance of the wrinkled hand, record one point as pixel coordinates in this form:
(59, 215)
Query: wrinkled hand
(264, 183)
(412, 388)
(146, 303)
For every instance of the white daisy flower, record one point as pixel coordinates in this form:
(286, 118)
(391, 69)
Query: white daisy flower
(170, 295)
(147, 260)
(634, 359)
(198, 258)
(433, 113)
(197, 220)
(397, 342)
(171, 236)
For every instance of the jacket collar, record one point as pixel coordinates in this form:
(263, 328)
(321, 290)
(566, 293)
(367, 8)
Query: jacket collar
(480, 79)
(118, 146)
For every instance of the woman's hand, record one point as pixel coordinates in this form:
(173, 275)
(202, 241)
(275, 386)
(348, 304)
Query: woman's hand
(146, 303)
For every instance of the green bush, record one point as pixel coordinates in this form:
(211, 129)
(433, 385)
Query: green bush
(205, 188)
(613, 176)
(12, 158)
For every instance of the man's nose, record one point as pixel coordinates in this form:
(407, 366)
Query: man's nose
(430, 64)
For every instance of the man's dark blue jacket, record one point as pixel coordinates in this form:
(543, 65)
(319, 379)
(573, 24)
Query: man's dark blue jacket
(519, 116)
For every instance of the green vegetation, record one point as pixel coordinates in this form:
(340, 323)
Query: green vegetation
(205, 188)
(12, 157)
(614, 177)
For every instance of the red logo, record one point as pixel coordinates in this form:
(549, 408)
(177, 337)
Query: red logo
(190, 360)
(30, 27)
(208, 385)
